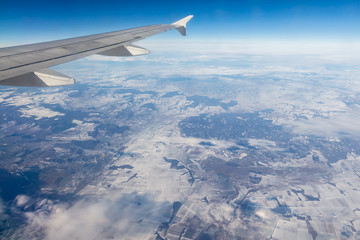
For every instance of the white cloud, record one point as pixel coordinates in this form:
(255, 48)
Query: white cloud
(341, 125)
(129, 216)
(21, 200)
(235, 47)
(39, 112)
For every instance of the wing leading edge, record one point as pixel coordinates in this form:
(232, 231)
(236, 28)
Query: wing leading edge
(27, 65)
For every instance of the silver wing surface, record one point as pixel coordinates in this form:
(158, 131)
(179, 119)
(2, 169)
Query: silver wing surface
(27, 65)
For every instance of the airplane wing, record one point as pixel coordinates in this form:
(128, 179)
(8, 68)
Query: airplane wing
(27, 65)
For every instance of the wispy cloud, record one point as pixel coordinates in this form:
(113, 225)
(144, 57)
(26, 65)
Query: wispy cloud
(262, 46)
(129, 216)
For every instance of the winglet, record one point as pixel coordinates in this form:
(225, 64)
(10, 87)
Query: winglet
(181, 24)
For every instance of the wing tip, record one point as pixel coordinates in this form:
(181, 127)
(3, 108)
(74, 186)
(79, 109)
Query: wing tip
(181, 24)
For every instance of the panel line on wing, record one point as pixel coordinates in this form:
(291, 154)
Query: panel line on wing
(73, 54)
(155, 27)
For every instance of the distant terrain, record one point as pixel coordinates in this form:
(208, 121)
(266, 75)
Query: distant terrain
(232, 147)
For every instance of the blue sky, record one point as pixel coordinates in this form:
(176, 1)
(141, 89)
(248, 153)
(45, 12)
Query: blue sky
(31, 21)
